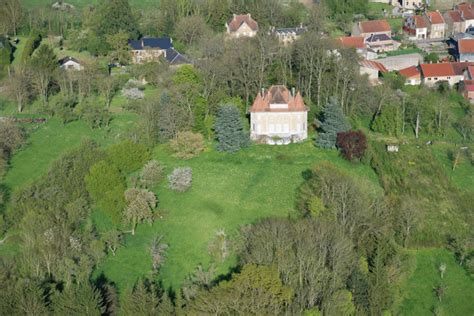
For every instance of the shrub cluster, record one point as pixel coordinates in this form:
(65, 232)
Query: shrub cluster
(181, 179)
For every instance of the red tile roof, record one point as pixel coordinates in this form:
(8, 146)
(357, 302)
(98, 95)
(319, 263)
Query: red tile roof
(437, 70)
(466, 46)
(420, 22)
(455, 16)
(374, 26)
(373, 65)
(435, 17)
(467, 11)
(460, 67)
(352, 42)
(237, 20)
(278, 95)
(410, 72)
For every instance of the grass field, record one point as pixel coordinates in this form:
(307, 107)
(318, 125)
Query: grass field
(228, 191)
(463, 175)
(48, 142)
(419, 295)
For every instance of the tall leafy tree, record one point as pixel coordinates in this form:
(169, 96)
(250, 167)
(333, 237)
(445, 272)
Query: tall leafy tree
(334, 122)
(140, 205)
(114, 16)
(229, 128)
(44, 63)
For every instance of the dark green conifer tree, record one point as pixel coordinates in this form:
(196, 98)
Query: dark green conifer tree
(229, 129)
(334, 122)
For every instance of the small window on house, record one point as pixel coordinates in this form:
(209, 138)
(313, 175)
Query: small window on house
(449, 78)
(429, 79)
(435, 78)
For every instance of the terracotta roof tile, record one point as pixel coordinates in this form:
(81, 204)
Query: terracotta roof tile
(467, 11)
(374, 26)
(455, 16)
(437, 70)
(466, 46)
(410, 72)
(238, 20)
(373, 65)
(353, 42)
(278, 95)
(435, 17)
(420, 22)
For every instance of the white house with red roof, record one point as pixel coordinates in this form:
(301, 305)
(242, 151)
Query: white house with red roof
(374, 27)
(412, 75)
(437, 25)
(416, 27)
(241, 25)
(467, 13)
(278, 116)
(372, 69)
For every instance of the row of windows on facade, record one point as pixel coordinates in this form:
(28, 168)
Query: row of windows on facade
(279, 128)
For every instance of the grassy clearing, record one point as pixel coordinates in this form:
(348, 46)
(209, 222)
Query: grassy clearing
(228, 191)
(50, 141)
(418, 291)
(463, 175)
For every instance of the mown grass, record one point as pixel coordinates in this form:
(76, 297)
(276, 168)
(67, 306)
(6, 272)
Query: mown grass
(419, 295)
(228, 191)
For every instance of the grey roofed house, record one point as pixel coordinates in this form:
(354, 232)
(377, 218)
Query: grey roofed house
(151, 42)
(378, 38)
(175, 58)
(66, 59)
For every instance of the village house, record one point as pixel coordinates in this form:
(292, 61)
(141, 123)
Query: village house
(437, 26)
(175, 58)
(278, 116)
(70, 63)
(289, 35)
(454, 22)
(368, 28)
(416, 27)
(410, 4)
(467, 13)
(241, 26)
(412, 75)
(149, 49)
(452, 73)
(372, 69)
(465, 50)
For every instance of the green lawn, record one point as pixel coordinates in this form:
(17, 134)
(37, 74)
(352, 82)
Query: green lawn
(419, 296)
(51, 140)
(228, 191)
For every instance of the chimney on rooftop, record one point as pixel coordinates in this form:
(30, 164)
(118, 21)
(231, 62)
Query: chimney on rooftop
(262, 93)
(248, 14)
(293, 92)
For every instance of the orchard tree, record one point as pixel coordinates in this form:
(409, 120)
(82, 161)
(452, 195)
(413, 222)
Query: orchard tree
(352, 144)
(140, 206)
(229, 128)
(19, 86)
(187, 145)
(334, 122)
(151, 174)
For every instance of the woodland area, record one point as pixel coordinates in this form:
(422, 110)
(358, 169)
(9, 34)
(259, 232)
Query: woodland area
(134, 189)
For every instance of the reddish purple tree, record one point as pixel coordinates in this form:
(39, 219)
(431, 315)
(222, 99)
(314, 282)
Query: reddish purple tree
(352, 144)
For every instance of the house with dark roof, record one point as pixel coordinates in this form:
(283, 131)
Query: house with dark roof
(70, 63)
(149, 48)
(241, 25)
(380, 43)
(288, 35)
(175, 58)
(278, 116)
